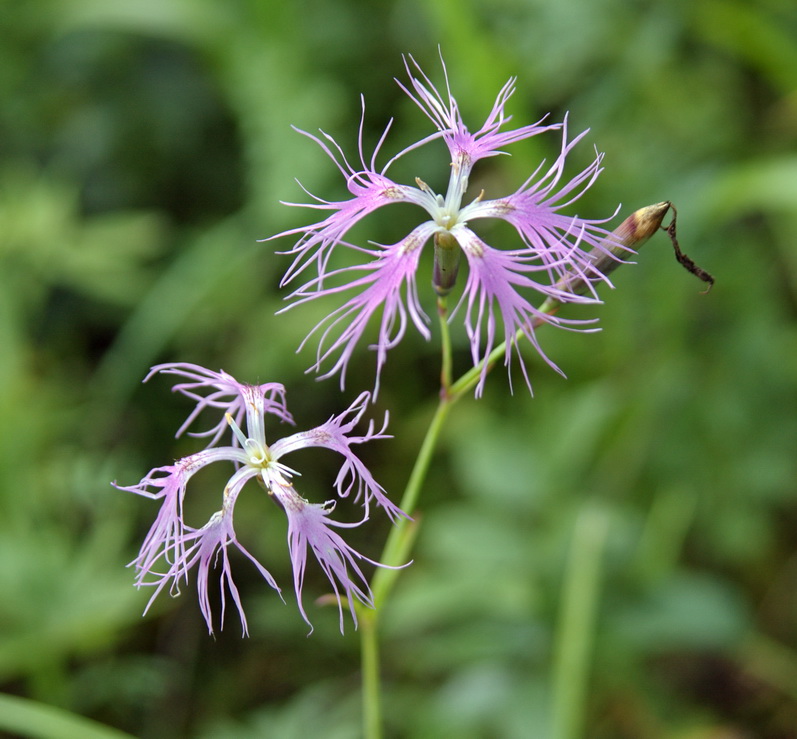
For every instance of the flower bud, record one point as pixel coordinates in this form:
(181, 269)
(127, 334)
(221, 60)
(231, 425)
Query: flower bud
(446, 263)
(629, 236)
(608, 255)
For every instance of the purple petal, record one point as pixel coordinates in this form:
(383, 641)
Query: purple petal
(394, 267)
(492, 281)
(353, 474)
(309, 526)
(219, 386)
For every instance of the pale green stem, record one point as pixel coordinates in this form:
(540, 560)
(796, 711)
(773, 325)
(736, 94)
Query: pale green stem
(399, 541)
(581, 590)
(369, 644)
(398, 545)
(445, 340)
(471, 377)
(576, 625)
(402, 535)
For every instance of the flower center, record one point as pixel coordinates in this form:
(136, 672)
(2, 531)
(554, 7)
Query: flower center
(257, 453)
(443, 212)
(255, 449)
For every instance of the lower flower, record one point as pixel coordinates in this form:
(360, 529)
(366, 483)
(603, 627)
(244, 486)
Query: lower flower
(172, 548)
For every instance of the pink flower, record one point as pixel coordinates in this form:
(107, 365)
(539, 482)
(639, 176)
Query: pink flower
(551, 244)
(172, 548)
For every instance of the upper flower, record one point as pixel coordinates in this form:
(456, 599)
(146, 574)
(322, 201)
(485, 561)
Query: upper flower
(551, 245)
(172, 547)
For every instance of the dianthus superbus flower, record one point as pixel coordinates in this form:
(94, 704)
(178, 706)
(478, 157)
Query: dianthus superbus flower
(551, 244)
(172, 548)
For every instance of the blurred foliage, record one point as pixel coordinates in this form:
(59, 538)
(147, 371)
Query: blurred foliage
(146, 146)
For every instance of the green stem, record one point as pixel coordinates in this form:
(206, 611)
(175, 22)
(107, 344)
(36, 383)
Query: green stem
(402, 535)
(576, 627)
(396, 552)
(445, 340)
(581, 589)
(372, 709)
(469, 380)
(399, 543)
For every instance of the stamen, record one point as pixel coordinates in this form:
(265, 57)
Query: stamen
(235, 429)
(257, 455)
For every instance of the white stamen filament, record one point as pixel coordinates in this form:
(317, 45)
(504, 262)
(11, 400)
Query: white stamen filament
(257, 452)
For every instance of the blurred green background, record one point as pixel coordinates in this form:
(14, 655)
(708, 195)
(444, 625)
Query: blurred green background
(144, 148)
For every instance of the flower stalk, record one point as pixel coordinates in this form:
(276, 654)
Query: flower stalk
(581, 590)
